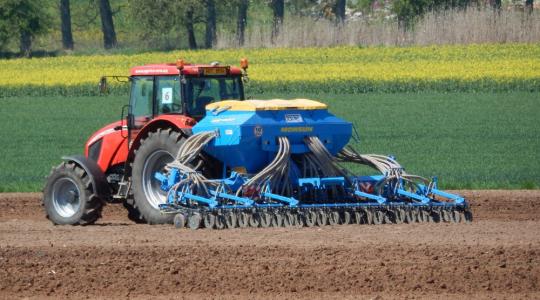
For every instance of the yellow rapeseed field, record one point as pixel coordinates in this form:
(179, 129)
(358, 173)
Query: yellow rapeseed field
(347, 69)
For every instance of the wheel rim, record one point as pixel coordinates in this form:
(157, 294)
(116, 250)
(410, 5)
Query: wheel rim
(151, 186)
(66, 197)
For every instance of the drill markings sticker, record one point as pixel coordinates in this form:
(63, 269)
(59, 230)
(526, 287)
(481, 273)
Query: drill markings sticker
(166, 95)
(293, 118)
(258, 131)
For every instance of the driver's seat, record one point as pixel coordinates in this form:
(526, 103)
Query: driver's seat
(200, 105)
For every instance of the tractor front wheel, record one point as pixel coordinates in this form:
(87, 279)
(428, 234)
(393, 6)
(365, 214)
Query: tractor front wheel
(68, 196)
(155, 152)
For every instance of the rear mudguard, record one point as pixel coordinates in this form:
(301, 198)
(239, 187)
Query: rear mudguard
(100, 185)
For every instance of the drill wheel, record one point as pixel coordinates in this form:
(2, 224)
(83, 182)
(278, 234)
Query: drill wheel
(277, 219)
(333, 218)
(309, 218)
(179, 221)
(209, 221)
(243, 219)
(345, 218)
(230, 220)
(194, 221)
(265, 219)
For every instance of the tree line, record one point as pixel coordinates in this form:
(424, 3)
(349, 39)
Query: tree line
(24, 20)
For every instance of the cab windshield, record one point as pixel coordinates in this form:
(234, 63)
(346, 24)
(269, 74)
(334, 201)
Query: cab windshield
(201, 91)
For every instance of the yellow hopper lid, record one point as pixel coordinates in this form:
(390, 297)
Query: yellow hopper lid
(274, 104)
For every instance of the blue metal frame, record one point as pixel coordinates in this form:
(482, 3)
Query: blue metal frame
(394, 194)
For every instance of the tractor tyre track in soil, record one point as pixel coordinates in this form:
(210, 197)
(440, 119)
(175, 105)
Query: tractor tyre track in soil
(497, 256)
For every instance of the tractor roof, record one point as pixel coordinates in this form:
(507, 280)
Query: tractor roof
(172, 69)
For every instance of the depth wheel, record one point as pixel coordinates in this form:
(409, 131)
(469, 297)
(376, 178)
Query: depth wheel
(265, 219)
(378, 217)
(220, 221)
(321, 218)
(243, 219)
(254, 220)
(333, 218)
(358, 218)
(209, 221)
(446, 215)
(230, 220)
(456, 216)
(369, 217)
(288, 220)
(179, 221)
(468, 216)
(437, 215)
(400, 215)
(309, 218)
(194, 221)
(68, 196)
(389, 216)
(277, 219)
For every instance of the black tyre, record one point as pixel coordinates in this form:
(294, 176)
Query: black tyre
(310, 218)
(231, 220)
(194, 221)
(179, 221)
(359, 217)
(209, 221)
(378, 217)
(468, 216)
(243, 219)
(265, 219)
(333, 218)
(321, 219)
(345, 218)
(253, 220)
(68, 196)
(277, 219)
(155, 152)
(220, 221)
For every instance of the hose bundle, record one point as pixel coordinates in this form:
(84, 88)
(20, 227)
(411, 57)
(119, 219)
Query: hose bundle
(388, 166)
(188, 152)
(320, 160)
(277, 172)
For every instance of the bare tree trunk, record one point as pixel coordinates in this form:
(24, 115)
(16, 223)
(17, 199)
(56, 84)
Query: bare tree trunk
(529, 4)
(340, 10)
(107, 25)
(496, 4)
(241, 22)
(65, 16)
(26, 43)
(191, 31)
(210, 37)
(278, 7)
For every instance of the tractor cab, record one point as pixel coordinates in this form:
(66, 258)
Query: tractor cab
(181, 88)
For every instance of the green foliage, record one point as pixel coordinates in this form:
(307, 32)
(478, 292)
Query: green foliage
(22, 16)
(409, 11)
(487, 140)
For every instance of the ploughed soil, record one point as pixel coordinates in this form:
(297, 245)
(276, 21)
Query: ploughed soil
(497, 256)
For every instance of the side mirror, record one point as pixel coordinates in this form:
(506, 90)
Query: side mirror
(103, 88)
(130, 119)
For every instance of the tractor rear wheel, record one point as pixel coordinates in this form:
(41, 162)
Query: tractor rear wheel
(155, 152)
(68, 196)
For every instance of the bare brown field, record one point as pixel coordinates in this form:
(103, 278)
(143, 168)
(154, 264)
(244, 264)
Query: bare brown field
(497, 256)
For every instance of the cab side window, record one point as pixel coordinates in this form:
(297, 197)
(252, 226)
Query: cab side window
(168, 94)
(142, 93)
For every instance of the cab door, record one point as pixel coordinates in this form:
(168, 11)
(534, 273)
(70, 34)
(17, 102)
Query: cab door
(140, 104)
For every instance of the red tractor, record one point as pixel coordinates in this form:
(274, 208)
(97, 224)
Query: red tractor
(120, 160)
